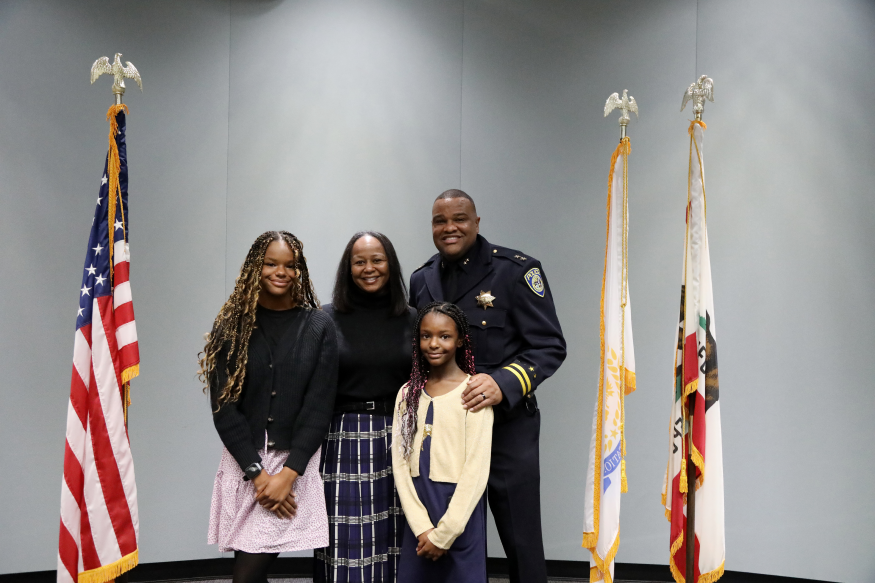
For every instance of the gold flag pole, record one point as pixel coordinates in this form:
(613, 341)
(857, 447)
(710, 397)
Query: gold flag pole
(697, 92)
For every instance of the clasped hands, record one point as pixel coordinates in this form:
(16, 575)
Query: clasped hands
(274, 492)
(427, 549)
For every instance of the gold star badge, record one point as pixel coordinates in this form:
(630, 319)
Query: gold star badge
(485, 299)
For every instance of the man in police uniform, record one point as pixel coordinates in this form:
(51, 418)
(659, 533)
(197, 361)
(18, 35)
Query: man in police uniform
(518, 343)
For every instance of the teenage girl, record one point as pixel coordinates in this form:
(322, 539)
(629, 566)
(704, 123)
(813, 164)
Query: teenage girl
(440, 456)
(270, 365)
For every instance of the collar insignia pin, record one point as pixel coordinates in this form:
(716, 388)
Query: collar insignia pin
(485, 299)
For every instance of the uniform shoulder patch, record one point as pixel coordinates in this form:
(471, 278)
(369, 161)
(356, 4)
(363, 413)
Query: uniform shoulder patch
(534, 281)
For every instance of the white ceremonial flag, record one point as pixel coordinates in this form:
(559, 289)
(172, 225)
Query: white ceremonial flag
(695, 422)
(606, 474)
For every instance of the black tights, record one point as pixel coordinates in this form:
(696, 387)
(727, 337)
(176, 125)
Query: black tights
(252, 567)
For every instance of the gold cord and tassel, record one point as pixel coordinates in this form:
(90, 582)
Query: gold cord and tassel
(113, 169)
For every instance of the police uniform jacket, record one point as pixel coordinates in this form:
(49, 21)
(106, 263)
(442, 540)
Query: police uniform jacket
(514, 329)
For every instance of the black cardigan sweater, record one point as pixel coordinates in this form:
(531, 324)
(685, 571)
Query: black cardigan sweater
(288, 391)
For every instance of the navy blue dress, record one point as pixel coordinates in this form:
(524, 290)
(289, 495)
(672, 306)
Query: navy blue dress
(465, 561)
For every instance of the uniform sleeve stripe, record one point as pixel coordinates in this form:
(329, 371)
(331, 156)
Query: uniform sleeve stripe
(517, 375)
(525, 376)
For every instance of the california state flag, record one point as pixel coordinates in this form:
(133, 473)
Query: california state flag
(695, 415)
(606, 474)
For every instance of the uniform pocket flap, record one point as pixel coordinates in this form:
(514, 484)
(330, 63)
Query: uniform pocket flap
(489, 318)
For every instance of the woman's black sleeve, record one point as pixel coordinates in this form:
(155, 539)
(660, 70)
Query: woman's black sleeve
(314, 418)
(229, 421)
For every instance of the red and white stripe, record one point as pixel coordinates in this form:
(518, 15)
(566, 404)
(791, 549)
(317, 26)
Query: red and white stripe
(99, 520)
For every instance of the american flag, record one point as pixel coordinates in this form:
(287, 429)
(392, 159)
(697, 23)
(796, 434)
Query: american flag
(99, 520)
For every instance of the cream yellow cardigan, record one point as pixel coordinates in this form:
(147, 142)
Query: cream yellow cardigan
(461, 445)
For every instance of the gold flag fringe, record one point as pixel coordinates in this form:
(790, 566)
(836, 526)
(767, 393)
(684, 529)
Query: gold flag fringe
(630, 382)
(699, 462)
(675, 546)
(692, 386)
(625, 149)
(130, 372)
(590, 539)
(712, 576)
(604, 565)
(111, 571)
(709, 577)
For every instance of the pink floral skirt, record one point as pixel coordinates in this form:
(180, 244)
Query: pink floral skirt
(239, 523)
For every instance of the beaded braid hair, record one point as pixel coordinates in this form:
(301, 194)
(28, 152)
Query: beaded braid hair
(408, 408)
(236, 320)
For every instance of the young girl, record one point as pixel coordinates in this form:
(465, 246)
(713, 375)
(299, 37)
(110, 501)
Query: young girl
(270, 365)
(440, 456)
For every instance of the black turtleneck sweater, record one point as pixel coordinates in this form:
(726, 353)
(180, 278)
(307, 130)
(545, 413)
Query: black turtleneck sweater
(374, 347)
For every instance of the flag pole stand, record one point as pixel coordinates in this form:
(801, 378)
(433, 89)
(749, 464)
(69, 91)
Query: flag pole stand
(690, 535)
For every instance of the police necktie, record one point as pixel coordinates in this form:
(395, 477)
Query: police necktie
(451, 281)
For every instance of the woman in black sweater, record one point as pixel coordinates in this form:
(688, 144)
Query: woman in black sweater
(374, 327)
(270, 365)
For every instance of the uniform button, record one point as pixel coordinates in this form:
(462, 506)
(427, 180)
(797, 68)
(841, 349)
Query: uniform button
(484, 322)
(495, 250)
(270, 419)
(270, 365)
(273, 393)
(271, 443)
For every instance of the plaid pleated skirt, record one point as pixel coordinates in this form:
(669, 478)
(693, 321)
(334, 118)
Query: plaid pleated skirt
(365, 520)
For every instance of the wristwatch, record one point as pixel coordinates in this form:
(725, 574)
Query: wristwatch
(252, 471)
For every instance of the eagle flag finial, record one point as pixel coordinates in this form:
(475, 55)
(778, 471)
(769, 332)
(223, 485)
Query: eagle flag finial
(625, 105)
(698, 92)
(119, 72)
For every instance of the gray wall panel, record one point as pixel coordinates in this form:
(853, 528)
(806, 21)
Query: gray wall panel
(791, 206)
(53, 139)
(345, 116)
(329, 117)
(536, 155)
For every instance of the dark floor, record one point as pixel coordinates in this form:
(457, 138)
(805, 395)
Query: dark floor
(492, 580)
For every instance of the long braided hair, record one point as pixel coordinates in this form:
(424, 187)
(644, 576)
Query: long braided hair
(408, 408)
(236, 320)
